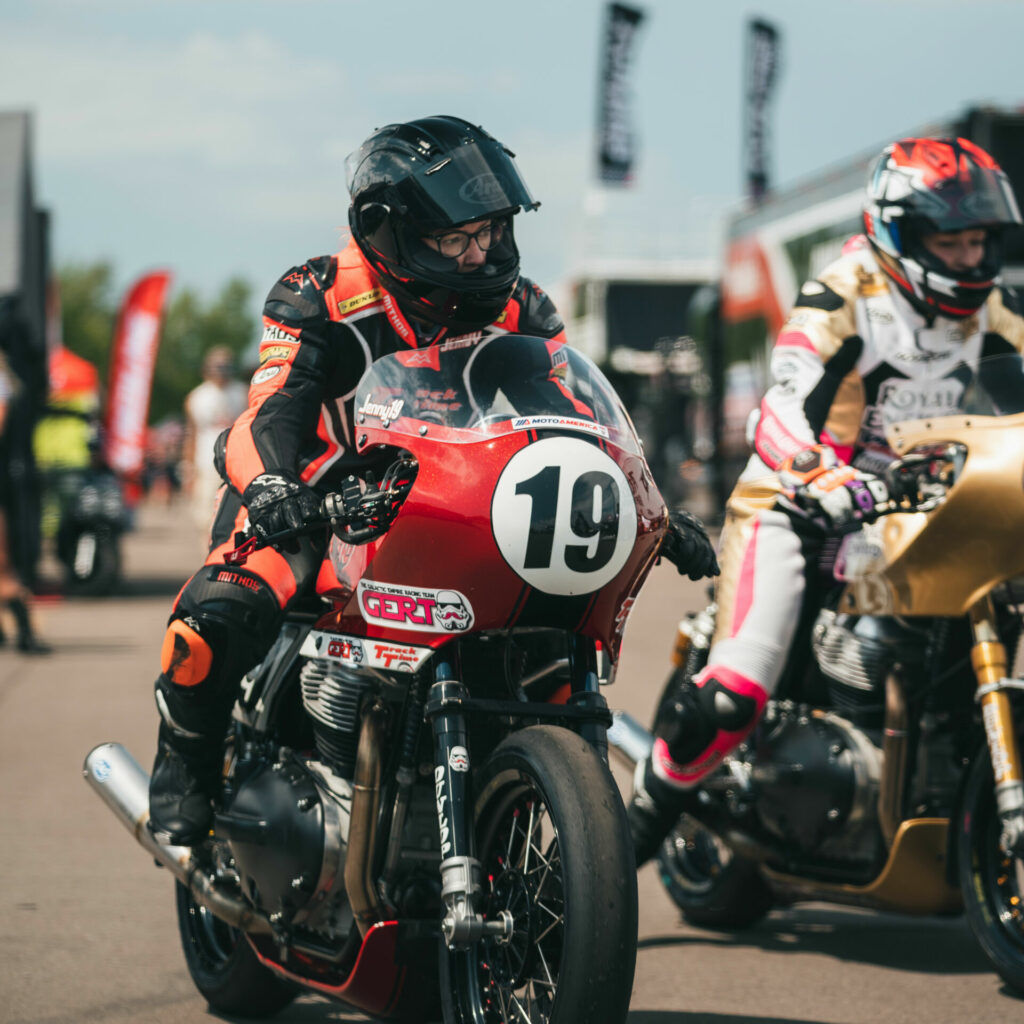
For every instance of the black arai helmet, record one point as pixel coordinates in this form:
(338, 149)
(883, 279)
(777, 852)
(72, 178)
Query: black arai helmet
(413, 179)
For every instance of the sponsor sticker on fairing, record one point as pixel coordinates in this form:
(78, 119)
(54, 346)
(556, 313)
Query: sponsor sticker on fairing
(386, 412)
(414, 608)
(361, 651)
(559, 423)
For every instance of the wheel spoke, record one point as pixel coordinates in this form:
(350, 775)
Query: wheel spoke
(544, 963)
(529, 841)
(525, 1013)
(551, 927)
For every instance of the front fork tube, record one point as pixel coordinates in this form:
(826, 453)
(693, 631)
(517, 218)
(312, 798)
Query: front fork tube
(586, 692)
(988, 656)
(460, 870)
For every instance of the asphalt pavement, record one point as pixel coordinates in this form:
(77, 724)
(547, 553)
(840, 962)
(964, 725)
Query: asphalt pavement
(88, 929)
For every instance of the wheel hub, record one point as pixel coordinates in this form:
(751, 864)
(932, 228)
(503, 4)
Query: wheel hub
(510, 959)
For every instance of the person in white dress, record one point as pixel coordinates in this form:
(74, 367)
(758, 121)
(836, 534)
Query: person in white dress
(209, 408)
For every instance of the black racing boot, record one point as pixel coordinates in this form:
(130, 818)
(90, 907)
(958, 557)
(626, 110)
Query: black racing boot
(184, 780)
(653, 810)
(28, 641)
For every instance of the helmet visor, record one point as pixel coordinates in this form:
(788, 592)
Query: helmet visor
(475, 181)
(981, 197)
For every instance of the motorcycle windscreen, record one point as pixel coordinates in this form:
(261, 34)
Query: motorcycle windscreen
(474, 387)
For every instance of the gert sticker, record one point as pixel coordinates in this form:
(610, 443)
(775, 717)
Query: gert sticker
(413, 608)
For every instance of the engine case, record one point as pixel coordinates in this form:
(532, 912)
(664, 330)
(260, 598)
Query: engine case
(287, 828)
(815, 781)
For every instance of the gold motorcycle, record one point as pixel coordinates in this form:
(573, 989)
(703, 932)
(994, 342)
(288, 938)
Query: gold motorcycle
(886, 772)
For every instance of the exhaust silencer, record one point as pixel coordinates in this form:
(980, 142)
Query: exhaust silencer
(124, 786)
(629, 739)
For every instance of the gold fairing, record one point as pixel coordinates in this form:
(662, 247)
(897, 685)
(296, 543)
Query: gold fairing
(942, 562)
(913, 880)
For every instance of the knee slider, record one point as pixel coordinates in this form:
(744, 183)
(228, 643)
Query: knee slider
(185, 657)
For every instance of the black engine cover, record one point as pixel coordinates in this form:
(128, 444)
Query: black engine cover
(804, 780)
(275, 829)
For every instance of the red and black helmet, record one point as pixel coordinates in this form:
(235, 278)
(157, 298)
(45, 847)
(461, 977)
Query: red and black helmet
(923, 186)
(408, 180)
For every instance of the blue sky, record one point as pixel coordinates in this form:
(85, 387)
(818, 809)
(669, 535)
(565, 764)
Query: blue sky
(210, 137)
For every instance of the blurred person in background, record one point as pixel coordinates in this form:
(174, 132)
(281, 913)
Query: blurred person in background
(13, 592)
(66, 437)
(210, 408)
(432, 261)
(900, 320)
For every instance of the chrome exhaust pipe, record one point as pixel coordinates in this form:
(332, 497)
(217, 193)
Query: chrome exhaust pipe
(124, 787)
(629, 739)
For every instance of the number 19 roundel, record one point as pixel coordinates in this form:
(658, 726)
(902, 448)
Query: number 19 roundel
(563, 516)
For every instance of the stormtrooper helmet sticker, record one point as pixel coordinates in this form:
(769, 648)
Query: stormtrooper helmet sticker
(452, 612)
(414, 608)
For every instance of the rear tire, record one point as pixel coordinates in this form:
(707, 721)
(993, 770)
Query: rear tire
(711, 885)
(991, 881)
(223, 965)
(554, 850)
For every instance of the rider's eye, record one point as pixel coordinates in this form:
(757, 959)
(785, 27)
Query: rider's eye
(451, 245)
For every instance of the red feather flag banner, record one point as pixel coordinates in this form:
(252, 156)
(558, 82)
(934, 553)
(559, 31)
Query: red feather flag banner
(131, 373)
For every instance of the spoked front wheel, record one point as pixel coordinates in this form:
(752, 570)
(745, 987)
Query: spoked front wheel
(554, 849)
(991, 879)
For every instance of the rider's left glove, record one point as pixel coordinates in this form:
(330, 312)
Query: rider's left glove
(687, 546)
(278, 502)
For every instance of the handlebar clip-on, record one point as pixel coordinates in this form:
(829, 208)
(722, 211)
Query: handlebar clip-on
(359, 512)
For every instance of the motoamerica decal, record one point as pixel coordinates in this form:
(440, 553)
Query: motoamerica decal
(558, 423)
(424, 611)
(357, 651)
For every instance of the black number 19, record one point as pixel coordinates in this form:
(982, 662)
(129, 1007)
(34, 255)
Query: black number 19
(543, 490)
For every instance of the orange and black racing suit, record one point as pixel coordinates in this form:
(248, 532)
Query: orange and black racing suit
(324, 324)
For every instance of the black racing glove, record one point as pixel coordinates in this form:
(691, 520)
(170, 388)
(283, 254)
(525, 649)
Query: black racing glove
(278, 502)
(687, 546)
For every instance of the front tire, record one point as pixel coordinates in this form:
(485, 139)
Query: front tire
(553, 845)
(223, 965)
(991, 881)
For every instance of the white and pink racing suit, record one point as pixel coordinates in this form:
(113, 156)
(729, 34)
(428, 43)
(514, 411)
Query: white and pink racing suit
(851, 345)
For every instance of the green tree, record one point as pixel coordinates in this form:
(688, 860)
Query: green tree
(88, 312)
(190, 327)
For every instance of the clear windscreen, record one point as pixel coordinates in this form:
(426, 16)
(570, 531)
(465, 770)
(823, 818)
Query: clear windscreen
(476, 389)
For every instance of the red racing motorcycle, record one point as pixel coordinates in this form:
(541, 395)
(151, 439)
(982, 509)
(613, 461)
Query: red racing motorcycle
(417, 817)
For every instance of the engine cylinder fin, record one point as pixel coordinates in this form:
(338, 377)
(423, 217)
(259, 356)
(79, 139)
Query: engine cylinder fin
(332, 694)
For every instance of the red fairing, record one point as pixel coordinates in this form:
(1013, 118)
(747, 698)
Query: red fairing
(443, 544)
(376, 981)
